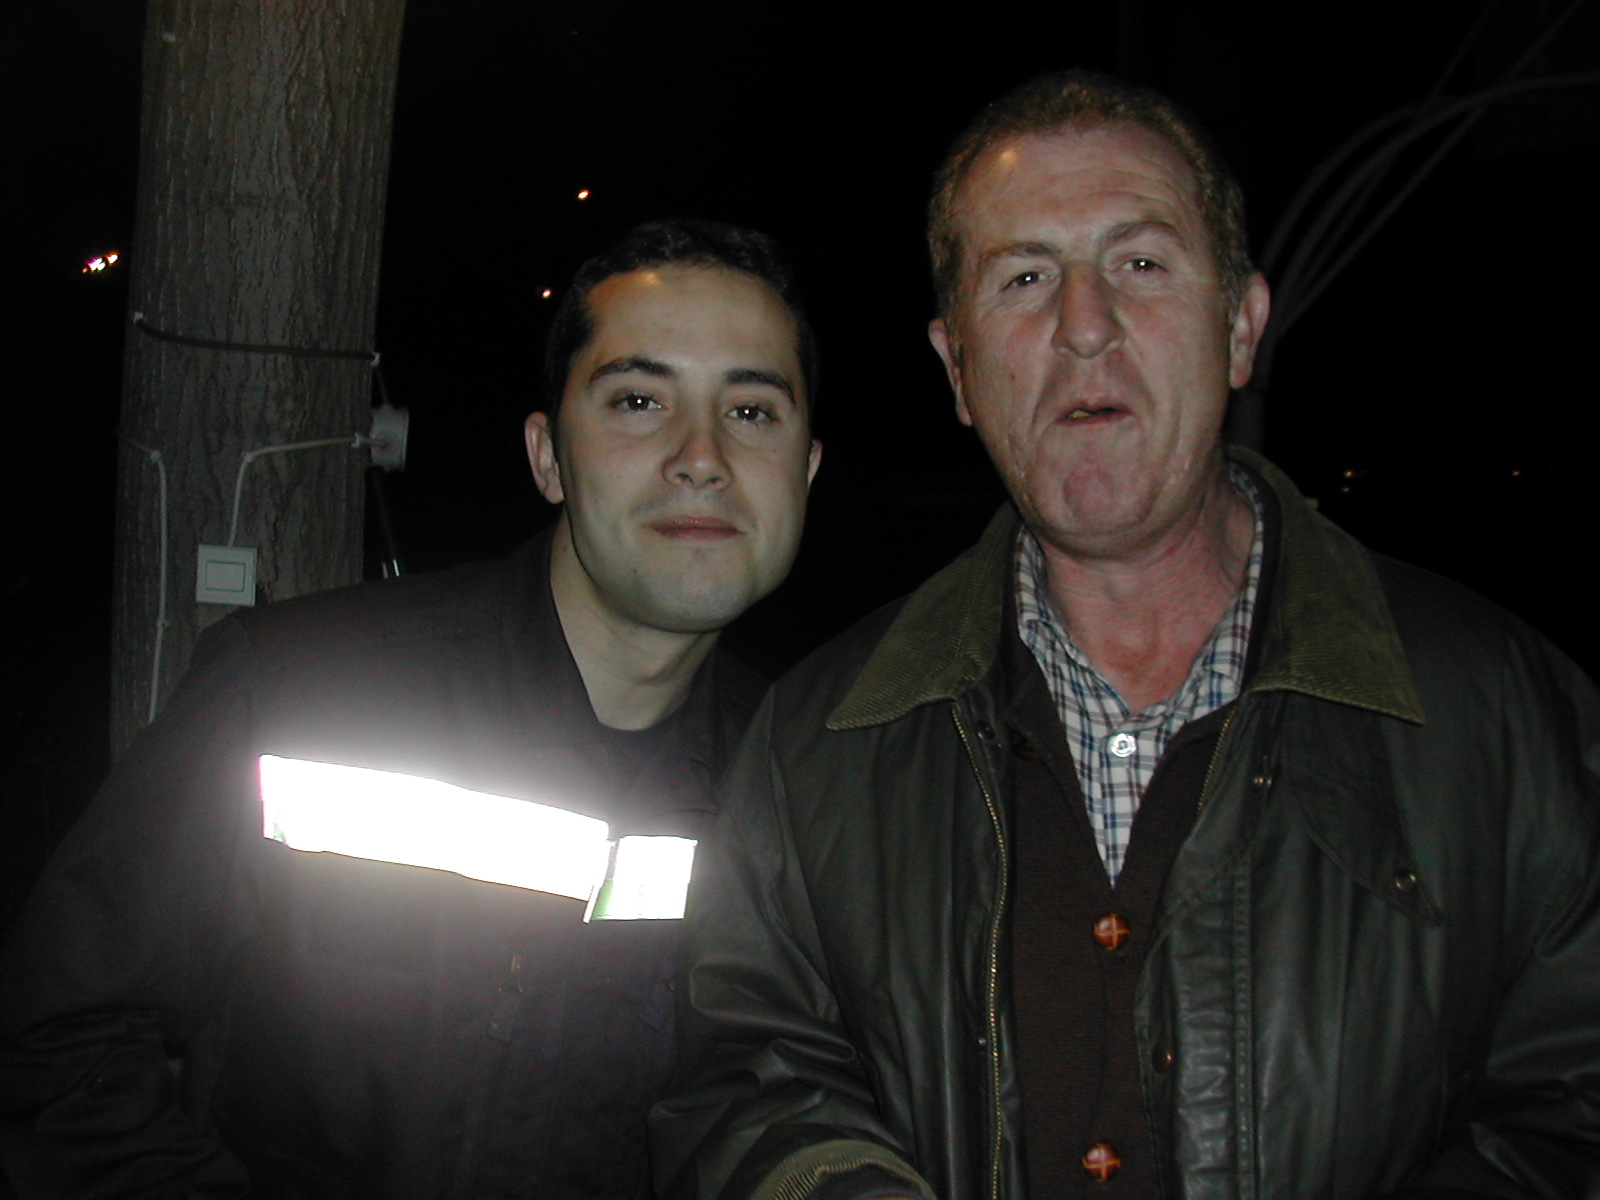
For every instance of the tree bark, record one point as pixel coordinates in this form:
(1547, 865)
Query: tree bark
(266, 131)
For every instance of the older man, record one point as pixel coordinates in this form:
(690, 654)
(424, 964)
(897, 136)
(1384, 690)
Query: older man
(400, 869)
(1167, 843)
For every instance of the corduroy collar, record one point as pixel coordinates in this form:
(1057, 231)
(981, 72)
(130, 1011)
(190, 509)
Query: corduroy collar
(1328, 632)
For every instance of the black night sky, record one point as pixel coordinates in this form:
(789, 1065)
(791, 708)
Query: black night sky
(1445, 369)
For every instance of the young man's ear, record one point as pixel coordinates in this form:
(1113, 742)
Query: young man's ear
(541, 441)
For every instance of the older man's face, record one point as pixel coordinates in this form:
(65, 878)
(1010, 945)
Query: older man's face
(1090, 343)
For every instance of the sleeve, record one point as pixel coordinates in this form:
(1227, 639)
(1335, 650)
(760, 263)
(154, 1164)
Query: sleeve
(1529, 1120)
(775, 1101)
(116, 962)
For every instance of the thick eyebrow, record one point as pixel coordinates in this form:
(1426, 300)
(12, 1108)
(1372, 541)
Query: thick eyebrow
(631, 365)
(1132, 229)
(1016, 250)
(755, 375)
(1117, 233)
(638, 364)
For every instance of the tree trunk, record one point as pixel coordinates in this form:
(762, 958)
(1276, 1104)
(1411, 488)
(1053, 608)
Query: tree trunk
(265, 154)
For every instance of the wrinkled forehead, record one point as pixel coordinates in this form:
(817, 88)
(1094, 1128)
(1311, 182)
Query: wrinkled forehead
(1059, 172)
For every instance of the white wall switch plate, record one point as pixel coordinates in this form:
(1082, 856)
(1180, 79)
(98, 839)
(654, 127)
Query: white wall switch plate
(226, 575)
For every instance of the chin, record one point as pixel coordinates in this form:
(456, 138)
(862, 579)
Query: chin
(704, 610)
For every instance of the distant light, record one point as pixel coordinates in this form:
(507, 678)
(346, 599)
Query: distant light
(546, 294)
(583, 194)
(1349, 474)
(1515, 473)
(100, 262)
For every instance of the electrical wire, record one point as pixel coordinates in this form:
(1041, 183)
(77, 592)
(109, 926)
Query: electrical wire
(355, 441)
(161, 575)
(1311, 259)
(366, 356)
(1314, 253)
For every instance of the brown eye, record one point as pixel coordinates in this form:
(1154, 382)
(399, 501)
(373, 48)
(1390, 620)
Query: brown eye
(635, 402)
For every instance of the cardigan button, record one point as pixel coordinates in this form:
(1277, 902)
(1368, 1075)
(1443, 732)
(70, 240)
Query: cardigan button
(1111, 931)
(1101, 1161)
(1405, 880)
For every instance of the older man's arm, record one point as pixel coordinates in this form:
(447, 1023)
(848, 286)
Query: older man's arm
(1527, 1122)
(774, 1099)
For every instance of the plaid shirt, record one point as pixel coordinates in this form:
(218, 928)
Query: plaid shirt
(1116, 751)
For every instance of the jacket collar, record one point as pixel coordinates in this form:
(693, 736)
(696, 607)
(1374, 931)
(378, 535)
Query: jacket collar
(1327, 631)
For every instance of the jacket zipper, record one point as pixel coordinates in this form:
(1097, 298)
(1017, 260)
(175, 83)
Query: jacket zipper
(1216, 753)
(993, 1014)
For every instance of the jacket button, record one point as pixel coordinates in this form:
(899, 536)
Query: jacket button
(1263, 781)
(1101, 1162)
(1405, 879)
(1025, 750)
(1111, 931)
(985, 731)
(1162, 1058)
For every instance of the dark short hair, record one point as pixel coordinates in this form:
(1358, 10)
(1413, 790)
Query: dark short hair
(1079, 99)
(673, 242)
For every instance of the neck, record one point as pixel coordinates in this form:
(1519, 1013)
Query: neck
(635, 675)
(1142, 617)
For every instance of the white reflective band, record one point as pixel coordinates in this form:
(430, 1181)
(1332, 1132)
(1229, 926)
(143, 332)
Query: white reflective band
(425, 823)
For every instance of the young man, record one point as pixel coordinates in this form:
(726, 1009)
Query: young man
(1168, 843)
(375, 874)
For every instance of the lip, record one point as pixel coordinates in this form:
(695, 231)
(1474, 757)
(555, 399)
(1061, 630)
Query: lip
(1091, 413)
(694, 529)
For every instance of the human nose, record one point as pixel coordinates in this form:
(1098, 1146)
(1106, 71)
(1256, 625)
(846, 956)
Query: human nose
(698, 460)
(1086, 317)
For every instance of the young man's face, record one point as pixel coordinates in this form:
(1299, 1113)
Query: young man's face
(683, 451)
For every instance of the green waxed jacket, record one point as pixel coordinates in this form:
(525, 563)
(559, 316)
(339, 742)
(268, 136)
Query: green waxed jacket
(1376, 964)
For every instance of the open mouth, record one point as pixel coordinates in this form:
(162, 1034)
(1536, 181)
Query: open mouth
(1091, 412)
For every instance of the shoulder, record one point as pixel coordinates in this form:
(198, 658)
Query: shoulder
(1459, 642)
(418, 644)
(821, 681)
(354, 619)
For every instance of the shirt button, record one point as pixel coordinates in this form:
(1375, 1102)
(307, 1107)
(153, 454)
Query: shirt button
(1101, 1162)
(1111, 931)
(1162, 1058)
(1123, 744)
(1405, 880)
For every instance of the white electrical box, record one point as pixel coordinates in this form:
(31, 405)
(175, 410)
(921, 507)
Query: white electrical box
(226, 575)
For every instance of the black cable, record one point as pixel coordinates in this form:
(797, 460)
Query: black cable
(366, 356)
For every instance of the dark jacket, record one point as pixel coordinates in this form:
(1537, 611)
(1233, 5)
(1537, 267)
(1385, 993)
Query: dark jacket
(350, 1027)
(1375, 964)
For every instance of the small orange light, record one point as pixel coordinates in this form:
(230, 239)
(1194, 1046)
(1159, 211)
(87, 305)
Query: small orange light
(583, 194)
(545, 294)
